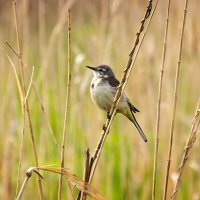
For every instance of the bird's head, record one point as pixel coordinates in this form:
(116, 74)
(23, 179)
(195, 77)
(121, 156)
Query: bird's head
(102, 71)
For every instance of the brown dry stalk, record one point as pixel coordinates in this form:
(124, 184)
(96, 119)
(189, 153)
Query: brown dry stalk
(187, 150)
(174, 103)
(25, 103)
(82, 195)
(86, 172)
(126, 72)
(66, 103)
(159, 102)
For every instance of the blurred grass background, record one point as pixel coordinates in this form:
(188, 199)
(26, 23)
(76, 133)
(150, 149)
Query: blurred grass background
(102, 32)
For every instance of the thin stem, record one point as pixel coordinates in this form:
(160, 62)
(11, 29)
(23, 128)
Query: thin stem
(190, 142)
(159, 102)
(174, 104)
(19, 196)
(66, 104)
(25, 103)
(83, 196)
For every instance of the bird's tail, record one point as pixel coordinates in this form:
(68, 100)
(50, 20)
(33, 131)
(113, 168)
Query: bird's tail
(129, 113)
(133, 119)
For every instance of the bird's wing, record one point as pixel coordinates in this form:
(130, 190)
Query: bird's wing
(112, 81)
(115, 83)
(132, 108)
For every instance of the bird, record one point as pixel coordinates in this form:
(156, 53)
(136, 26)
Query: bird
(103, 88)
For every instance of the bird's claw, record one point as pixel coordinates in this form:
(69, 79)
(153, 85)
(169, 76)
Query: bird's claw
(108, 116)
(104, 127)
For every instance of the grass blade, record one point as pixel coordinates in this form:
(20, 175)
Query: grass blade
(158, 105)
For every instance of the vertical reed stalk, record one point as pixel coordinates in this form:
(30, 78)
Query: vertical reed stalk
(67, 103)
(22, 100)
(86, 173)
(190, 142)
(174, 104)
(25, 103)
(159, 102)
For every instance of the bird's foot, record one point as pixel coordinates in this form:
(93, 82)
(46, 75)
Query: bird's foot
(104, 127)
(108, 116)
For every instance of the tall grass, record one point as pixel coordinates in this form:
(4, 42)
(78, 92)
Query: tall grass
(175, 97)
(101, 32)
(158, 117)
(24, 101)
(67, 104)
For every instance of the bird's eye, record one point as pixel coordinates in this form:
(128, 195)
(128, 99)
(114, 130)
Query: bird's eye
(102, 70)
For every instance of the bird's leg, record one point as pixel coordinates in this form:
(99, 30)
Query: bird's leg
(104, 127)
(108, 115)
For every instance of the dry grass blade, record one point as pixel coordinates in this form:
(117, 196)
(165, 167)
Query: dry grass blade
(76, 181)
(17, 79)
(188, 148)
(174, 104)
(29, 87)
(66, 104)
(159, 102)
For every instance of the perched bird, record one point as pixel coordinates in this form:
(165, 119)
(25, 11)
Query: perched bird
(103, 89)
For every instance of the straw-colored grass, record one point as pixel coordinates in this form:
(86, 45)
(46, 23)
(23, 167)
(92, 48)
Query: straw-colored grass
(175, 97)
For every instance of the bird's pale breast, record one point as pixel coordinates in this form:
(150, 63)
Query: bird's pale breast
(103, 94)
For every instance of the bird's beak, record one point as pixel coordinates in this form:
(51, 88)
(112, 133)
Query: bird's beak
(92, 68)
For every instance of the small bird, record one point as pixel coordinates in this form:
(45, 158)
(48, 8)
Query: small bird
(103, 88)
